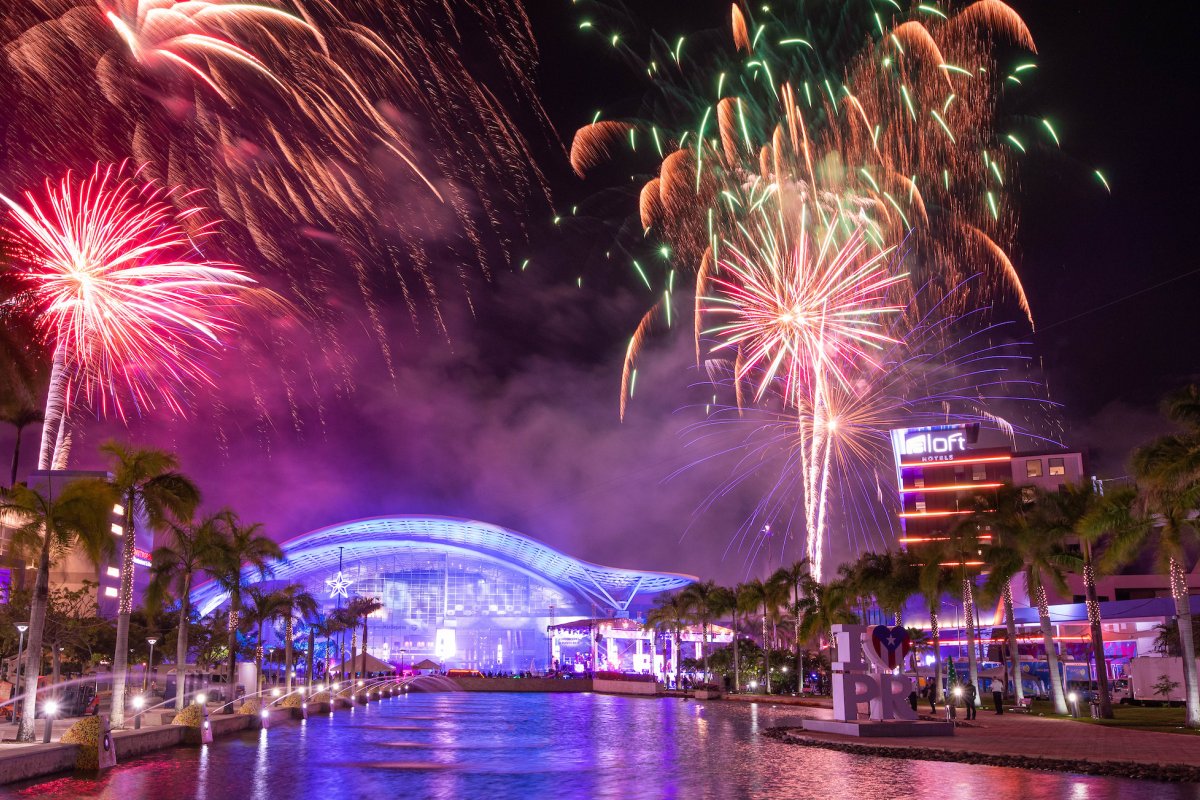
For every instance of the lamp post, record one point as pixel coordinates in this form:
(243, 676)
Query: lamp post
(151, 640)
(1073, 699)
(138, 702)
(49, 709)
(403, 652)
(21, 628)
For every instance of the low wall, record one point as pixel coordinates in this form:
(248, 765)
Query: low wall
(606, 686)
(523, 684)
(781, 700)
(130, 744)
(33, 761)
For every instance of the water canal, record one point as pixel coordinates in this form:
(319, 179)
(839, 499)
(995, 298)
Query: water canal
(579, 746)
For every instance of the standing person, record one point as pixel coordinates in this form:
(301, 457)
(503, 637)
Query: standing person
(998, 700)
(930, 695)
(912, 700)
(970, 695)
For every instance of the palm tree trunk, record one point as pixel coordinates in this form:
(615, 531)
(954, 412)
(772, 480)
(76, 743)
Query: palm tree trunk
(234, 607)
(181, 641)
(766, 649)
(37, 624)
(1014, 652)
(287, 653)
(705, 645)
(363, 672)
(737, 673)
(259, 683)
(1056, 686)
(16, 459)
(939, 694)
(312, 643)
(124, 609)
(1094, 621)
(969, 620)
(1183, 615)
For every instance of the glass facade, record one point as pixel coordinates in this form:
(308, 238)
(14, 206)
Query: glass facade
(461, 611)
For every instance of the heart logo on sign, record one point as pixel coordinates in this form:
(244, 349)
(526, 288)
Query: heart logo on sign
(890, 644)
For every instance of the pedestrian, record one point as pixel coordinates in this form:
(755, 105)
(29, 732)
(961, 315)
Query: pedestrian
(998, 700)
(912, 700)
(970, 695)
(931, 696)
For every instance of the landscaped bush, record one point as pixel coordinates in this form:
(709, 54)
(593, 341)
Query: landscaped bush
(320, 697)
(192, 716)
(86, 733)
(293, 700)
(250, 707)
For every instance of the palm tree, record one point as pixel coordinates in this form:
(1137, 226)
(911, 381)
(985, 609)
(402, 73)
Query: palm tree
(362, 608)
(769, 596)
(262, 606)
(1033, 546)
(236, 545)
(20, 415)
(706, 602)
(965, 546)
(824, 605)
(316, 623)
(793, 576)
(174, 567)
(1005, 519)
(933, 581)
(670, 615)
(150, 486)
(80, 513)
(732, 601)
(1079, 511)
(1167, 471)
(295, 601)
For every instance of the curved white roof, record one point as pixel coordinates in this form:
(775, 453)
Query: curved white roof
(381, 536)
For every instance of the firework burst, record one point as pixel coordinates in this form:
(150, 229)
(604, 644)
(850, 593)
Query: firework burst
(113, 274)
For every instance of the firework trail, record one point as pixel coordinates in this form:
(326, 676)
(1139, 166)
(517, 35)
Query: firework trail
(346, 144)
(112, 274)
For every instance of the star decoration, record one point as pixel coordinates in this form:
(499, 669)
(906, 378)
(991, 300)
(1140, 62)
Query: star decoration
(338, 585)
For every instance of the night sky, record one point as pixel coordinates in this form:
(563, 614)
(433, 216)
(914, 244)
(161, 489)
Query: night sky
(512, 418)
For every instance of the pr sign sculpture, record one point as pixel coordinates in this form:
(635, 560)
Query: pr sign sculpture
(862, 673)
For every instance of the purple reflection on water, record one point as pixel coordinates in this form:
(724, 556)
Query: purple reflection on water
(499, 746)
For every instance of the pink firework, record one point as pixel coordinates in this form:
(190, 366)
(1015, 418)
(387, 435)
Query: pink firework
(800, 307)
(121, 290)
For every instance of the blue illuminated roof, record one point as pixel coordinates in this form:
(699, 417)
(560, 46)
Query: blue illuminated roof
(318, 552)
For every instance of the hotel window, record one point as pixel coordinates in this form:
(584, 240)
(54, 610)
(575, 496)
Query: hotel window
(978, 472)
(921, 506)
(1057, 466)
(1033, 468)
(919, 483)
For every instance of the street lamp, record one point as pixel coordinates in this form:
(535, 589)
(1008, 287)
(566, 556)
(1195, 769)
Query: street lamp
(21, 627)
(152, 640)
(49, 709)
(138, 702)
(1073, 699)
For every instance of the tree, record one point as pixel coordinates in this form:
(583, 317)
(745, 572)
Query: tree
(42, 523)
(20, 415)
(706, 602)
(262, 606)
(295, 601)
(316, 623)
(360, 609)
(150, 487)
(1164, 686)
(933, 581)
(235, 545)
(824, 605)
(1032, 544)
(1080, 512)
(735, 593)
(670, 615)
(768, 596)
(174, 567)
(793, 576)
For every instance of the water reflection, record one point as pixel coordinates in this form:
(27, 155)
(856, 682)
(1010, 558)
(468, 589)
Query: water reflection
(587, 746)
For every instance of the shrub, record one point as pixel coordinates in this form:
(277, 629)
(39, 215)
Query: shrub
(192, 716)
(250, 707)
(319, 697)
(86, 733)
(293, 700)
